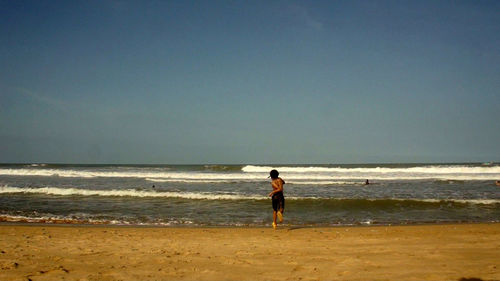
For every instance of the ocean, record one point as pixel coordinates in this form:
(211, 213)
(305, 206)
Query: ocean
(236, 195)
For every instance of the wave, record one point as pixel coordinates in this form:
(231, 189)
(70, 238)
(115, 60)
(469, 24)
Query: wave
(85, 219)
(259, 173)
(323, 182)
(385, 204)
(228, 196)
(319, 182)
(223, 168)
(431, 169)
(235, 180)
(36, 165)
(85, 173)
(53, 219)
(129, 193)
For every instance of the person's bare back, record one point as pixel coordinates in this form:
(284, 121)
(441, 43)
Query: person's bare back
(278, 199)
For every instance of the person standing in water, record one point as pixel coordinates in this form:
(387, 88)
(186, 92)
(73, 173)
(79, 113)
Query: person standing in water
(277, 196)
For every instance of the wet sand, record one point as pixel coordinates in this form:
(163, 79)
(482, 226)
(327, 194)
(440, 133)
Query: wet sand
(427, 252)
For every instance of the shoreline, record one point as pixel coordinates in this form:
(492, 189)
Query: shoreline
(290, 227)
(375, 252)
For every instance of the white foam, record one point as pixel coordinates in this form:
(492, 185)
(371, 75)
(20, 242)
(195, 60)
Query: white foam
(201, 180)
(71, 219)
(431, 169)
(129, 192)
(252, 173)
(437, 200)
(207, 195)
(320, 182)
(313, 175)
(475, 201)
(83, 173)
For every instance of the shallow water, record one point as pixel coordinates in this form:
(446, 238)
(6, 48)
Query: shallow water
(236, 195)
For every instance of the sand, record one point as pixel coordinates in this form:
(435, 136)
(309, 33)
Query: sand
(430, 252)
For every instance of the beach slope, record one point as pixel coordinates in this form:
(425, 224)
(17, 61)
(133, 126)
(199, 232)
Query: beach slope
(427, 252)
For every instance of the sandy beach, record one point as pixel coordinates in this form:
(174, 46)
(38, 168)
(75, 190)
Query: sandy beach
(428, 252)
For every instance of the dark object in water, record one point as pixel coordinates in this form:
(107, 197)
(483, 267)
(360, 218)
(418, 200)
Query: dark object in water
(497, 183)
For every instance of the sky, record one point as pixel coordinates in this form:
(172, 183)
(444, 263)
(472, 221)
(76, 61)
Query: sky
(238, 82)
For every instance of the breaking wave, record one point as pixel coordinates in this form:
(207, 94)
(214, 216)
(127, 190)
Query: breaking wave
(128, 193)
(86, 219)
(227, 196)
(254, 173)
(431, 169)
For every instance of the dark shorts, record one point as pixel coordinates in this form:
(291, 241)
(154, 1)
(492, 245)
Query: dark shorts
(278, 201)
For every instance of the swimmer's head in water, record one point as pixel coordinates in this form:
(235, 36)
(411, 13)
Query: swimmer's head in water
(274, 174)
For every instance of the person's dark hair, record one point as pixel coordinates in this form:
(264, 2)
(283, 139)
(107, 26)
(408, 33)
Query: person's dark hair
(274, 174)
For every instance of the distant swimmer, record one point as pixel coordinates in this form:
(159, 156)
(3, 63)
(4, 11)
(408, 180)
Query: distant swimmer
(497, 183)
(367, 182)
(278, 199)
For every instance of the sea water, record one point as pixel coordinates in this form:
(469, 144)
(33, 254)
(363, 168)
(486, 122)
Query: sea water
(237, 195)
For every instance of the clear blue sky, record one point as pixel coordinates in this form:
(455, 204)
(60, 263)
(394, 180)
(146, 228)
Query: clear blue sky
(249, 81)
